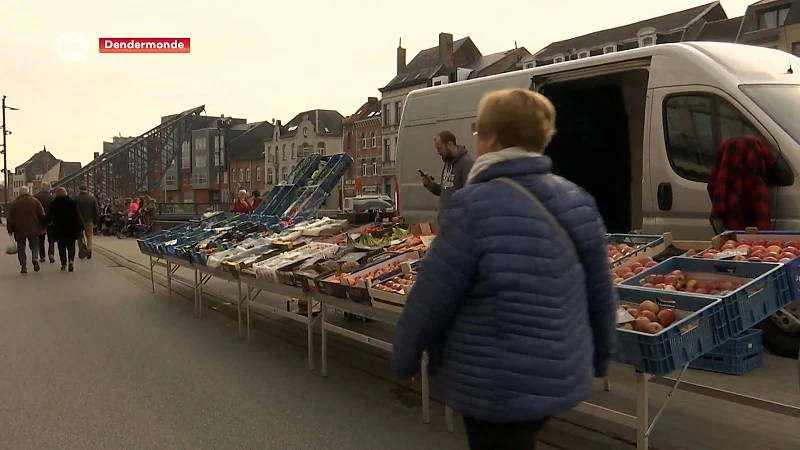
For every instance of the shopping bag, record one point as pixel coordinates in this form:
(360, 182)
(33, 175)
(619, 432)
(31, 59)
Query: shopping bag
(11, 249)
(83, 250)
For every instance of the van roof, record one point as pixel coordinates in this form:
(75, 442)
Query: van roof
(749, 64)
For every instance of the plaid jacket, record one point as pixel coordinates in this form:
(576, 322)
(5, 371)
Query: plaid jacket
(738, 184)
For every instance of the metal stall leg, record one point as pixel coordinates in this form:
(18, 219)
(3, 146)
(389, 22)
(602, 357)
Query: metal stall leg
(310, 315)
(323, 340)
(196, 293)
(642, 412)
(249, 320)
(169, 281)
(152, 276)
(239, 301)
(426, 390)
(200, 296)
(448, 419)
(606, 385)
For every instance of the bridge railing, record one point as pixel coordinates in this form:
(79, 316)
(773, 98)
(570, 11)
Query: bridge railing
(165, 210)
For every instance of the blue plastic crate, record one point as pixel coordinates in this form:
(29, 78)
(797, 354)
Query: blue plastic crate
(274, 198)
(729, 365)
(766, 293)
(302, 171)
(671, 349)
(742, 345)
(307, 204)
(645, 241)
(335, 167)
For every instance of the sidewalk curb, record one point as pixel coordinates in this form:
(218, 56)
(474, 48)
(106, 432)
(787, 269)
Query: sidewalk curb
(561, 433)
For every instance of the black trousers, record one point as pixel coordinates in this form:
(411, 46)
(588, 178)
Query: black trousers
(51, 247)
(502, 436)
(66, 251)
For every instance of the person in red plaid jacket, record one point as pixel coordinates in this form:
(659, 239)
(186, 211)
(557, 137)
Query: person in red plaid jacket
(738, 185)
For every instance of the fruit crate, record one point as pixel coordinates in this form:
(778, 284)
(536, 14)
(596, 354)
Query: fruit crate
(782, 238)
(302, 171)
(274, 198)
(738, 355)
(764, 289)
(644, 242)
(335, 166)
(702, 330)
(306, 205)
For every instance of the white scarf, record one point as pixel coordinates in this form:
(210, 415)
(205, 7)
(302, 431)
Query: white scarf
(488, 159)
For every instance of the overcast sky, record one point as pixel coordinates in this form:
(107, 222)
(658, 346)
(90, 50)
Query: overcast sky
(251, 59)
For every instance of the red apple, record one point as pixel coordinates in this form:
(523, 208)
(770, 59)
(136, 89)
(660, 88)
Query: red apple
(727, 286)
(760, 242)
(648, 285)
(708, 255)
(756, 248)
(651, 316)
(770, 259)
(641, 324)
(638, 270)
(650, 264)
(791, 244)
(740, 258)
(774, 242)
(727, 247)
(654, 328)
(786, 254)
(648, 305)
(666, 317)
(747, 241)
(754, 259)
(701, 291)
(671, 280)
(645, 260)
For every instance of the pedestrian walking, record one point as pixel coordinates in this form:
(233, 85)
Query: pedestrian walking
(25, 221)
(45, 197)
(90, 212)
(68, 226)
(513, 301)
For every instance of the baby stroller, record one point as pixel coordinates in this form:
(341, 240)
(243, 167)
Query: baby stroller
(135, 225)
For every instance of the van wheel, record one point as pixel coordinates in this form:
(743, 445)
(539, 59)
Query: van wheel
(778, 341)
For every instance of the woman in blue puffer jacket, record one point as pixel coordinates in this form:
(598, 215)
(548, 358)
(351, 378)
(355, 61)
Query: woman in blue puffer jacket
(514, 300)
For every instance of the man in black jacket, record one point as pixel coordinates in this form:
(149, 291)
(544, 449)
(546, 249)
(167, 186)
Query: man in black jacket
(90, 212)
(45, 198)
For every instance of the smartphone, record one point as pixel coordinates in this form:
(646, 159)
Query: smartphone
(422, 174)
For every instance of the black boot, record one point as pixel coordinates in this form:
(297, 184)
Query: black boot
(23, 270)
(71, 266)
(36, 266)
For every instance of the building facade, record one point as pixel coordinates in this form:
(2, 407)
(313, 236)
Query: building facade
(247, 158)
(32, 172)
(362, 140)
(773, 24)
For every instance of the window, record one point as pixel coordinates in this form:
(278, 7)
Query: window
(247, 175)
(188, 197)
(398, 111)
(269, 154)
(558, 59)
(387, 144)
(186, 155)
(224, 177)
(610, 48)
(241, 175)
(771, 19)
(200, 178)
(363, 141)
(645, 42)
(306, 150)
(294, 153)
(583, 54)
(386, 118)
(796, 48)
(305, 131)
(270, 179)
(169, 179)
(258, 173)
(373, 140)
(363, 167)
(200, 161)
(321, 148)
(695, 125)
(233, 176)
(347, 141)
(284, 173)
(219, 178)
(200, 144)
(283, 153)
(374, 167)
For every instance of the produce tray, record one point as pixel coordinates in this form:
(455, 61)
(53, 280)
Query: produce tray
(765, 293)
(646, 242)
(738, 355)
(359, 292)
(335, 167)
(792, 267)
(303, 170)
(306, 205)
(672, 348)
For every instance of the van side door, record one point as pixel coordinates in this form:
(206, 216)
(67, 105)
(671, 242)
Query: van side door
(688, 123)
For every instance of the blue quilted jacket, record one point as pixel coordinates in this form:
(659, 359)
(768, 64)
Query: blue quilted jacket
(515, 324)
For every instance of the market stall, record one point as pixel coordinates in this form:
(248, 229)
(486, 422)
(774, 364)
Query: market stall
(683, 304)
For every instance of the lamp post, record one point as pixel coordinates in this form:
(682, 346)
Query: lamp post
(224, 125)
(5, 154)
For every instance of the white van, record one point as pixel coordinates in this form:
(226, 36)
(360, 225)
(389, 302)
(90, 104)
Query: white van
(638, 129)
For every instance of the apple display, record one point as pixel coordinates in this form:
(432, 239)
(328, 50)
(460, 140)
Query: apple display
(651, 316)
(641, 324)
(648, 305)
(654, 328)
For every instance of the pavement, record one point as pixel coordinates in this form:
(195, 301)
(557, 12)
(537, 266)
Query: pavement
(94, 359)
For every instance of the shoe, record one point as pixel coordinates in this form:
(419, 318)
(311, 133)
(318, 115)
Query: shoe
(36, 266)
(23, 270)
(89, 255)
(63, 267)
(41, 259)
(71, 268)
(52, 259)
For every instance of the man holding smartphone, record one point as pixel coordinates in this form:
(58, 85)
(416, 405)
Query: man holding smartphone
(457, 164)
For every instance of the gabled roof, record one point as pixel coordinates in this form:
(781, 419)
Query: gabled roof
(422, 68)
(327, 122)
(369, 110)
(662, 24)
(68, 168)
(39, 163)
(724, 30)
(487, 61)
(248, 145)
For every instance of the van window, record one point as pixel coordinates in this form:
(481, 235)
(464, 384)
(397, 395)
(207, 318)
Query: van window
(695, 125)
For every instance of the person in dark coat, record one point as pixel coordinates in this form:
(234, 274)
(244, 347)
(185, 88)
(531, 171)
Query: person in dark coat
(513, 300)
(24, 222)
(68, 225)
(45, 198)
(90, 213)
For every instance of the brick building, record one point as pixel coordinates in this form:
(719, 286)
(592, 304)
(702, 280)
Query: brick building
(247, 157)
(362, 139)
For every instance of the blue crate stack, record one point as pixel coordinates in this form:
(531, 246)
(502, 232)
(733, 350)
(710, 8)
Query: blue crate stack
(738, 355)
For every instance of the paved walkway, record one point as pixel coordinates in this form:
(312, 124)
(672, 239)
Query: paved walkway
(690, 422)
(93, 360)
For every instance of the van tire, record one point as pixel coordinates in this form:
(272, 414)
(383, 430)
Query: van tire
(779, 342)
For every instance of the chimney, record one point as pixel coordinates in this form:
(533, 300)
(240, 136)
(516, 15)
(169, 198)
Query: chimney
(277, 123)
(96, 155)
(401, 58)
(446, 52)
(372, 99)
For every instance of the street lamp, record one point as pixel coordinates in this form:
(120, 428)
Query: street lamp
(224, 125)
(5, 157)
